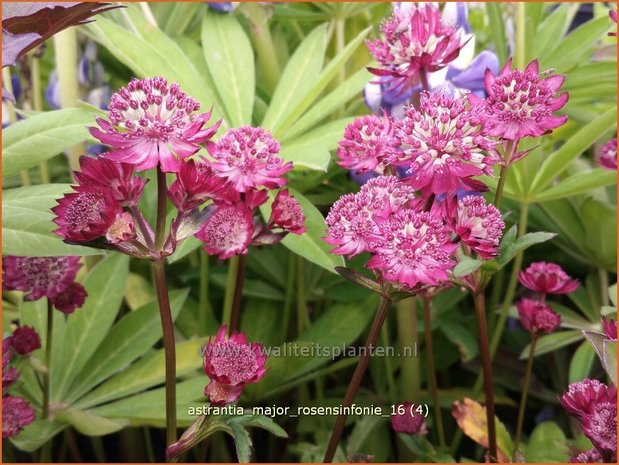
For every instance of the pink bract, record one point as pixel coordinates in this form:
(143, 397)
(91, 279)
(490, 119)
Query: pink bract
(220, 394)
(537, 317)
(196, 183)
(415, 40)
(71, 298)
(228, 231)
(367, 142)
(16, 414)
(407, 423)
(247, 157)
(286, 213)
(547, 278)
(25, 340)
(443, 145)
(610, 328)
(150, 123)
(607, 156)
(521, 104)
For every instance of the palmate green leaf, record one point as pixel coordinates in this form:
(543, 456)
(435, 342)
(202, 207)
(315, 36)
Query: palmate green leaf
(584, 75)
(298, 77)
(581, 362)
(555, 25)
(146, 373)
(89, 424)
(600, 222)
(27, 143)
(27, 223)
(577, 184)
(36, 434)
(550, 342)
(129, 339)
(521, 244)
(89, 326)
(230, 59)
(310, 244)
(243, 444)
(314, 156)
(262, 422)
(547, 443)
(327, 135)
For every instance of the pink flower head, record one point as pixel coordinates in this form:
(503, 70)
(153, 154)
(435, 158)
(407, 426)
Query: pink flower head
(520, 104)
(71, 298)
(414, 40)
(196, 183)
(537, 317)
(547, 278)
(247, 157)
(39, 276)
(16, 415)
(583, 395)
(25, 340)
(443, 144)
(477, 223)
(86, 214)
(607, 156)
(408, 423)
(228, 231)
(610, 328)
(600, 426)
(388, 192)
(367, 142)
(222, 394)
(286, 213)
(231, 362)
(413, 248)
(613, 16)
(117, 177)
(590, 456)
(122, 230)
(150, 123)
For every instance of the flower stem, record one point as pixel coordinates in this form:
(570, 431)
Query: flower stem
(500, 186)
(37, 104)
(288, 296)
(205, 304)
(427, 329)
(407, 333)
(233, 269)
(423, 77)
(603, 274)
(48, 359)
(238, 294)
(525, 392)
(167, 325)
(357, 377)
(484, 349)
(161, 209)
(303, 321)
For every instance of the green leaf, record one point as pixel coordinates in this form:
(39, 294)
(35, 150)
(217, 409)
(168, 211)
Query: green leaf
(610, 360)
(550, 342)
(36, 434)
(584, 75)
(466, 266)
(310, 244)
(521, 244)
(327, 135)
(27, 223)
(312, 156)
(547, 444)
(577, 184)
(497, 29)
(38, 138)
(88, 327)
(199, 430)
(262, 422)
(350, 88)
(230, 59)
(242, 442)
(89, 424)
(298, 77)
(129, 339)
(600, 221)
(146, 373)
(581, 363)
(554, 25)
(462, 337)
(559, 160)
(187, 246)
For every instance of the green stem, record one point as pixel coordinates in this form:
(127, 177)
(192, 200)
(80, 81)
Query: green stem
(238, 294)
(427, 329)
(384, 340)
(258, 20)
(357, 377)
(48, 359)
(205, 304)
(233, 268)
(340, 43)
(406, 316)
(98, 449)
(303, 321)
(484, 349)
(65, 45)
(167, 326)
(162, 204)
(288, 296)
(500, 186)
(525, 392)
(521, 35)
(37, 103)
(603, 274)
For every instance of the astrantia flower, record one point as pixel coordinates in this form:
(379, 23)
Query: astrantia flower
(590, 456)
(388, 192)
(537, 317)
(25, 340)
(247, 157)
(613, 16)
(520, 104)
(196, 182)
(117, 177)
(413, 248)
(600, 426)
(367, 142)
(607, 156)
(407, 423)
(222, 394)
(610, 328)
(86, 214)
(286, 213)
(583, 395)
(228, 231)
(16, 414)
(477, 223)
(71, 298)
(39, 276)
(414, 40)
(443, 145)
(547, 278)
(150, 123)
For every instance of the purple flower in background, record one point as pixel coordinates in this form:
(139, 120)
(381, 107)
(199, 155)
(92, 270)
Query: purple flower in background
(222, 7)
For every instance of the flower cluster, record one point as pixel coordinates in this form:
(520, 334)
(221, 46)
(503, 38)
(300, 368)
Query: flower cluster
(594, 404)
(607, 156)
(407, 423)
(231, 363)
(16, 411)
(50, 277)
(154, 124)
